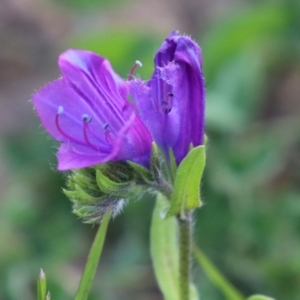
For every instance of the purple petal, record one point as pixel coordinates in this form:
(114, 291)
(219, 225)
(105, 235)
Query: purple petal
(59, 94)
(173, 104)
(88, 111)
(93, 78)
(75, 157)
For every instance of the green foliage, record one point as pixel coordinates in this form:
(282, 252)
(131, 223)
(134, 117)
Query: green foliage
(186, 194)
(164, 250)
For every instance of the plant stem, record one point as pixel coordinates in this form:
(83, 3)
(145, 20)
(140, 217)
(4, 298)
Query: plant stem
(185, 243)
(93, 260)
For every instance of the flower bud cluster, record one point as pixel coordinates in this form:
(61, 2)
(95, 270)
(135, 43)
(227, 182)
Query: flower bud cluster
(93, 190)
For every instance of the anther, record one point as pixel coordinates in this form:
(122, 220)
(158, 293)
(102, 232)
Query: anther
(86, 118)
(60, 110)
(132, 70)
(165, 107)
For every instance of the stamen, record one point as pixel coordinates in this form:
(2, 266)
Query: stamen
(167, 104)
(60, 111)
(86, 139)
(170, 101)
(86, 118)
(165, 107)
(86, 129)
(132, 70)
(100, 143)
(107, 133)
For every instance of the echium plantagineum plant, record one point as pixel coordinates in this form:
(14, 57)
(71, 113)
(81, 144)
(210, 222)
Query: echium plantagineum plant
(115, 148)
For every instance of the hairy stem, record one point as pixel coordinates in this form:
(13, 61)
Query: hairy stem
(90, 269)
(185, 245)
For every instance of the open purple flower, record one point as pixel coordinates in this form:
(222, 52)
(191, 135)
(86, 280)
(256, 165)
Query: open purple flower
(88, 112)
(172, 102)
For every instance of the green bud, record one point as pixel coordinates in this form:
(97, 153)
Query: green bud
(41, 286)
(94, 190)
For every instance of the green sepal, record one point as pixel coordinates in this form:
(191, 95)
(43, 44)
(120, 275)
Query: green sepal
(84, 181)
(93, 190)
(142, 175)
(173, 165)
(93, 213)
(186, 194)
(80, 195)
(119, 171)
(155, 166)
(107, 186)
(259, 297)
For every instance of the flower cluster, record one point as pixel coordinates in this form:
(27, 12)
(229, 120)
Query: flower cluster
(88, 111)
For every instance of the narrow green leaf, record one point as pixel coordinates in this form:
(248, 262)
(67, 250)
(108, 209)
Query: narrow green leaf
(229, 291)
(260, 297)
(186, 195)
(93, 260)
(164, 250)
(41, 286)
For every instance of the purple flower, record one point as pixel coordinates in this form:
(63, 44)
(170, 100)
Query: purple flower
(172, 102)
(88, 112)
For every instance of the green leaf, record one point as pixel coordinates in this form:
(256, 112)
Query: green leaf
(229, 291)
(164, 250)
(41, 286)
(186, 195)
(93, 260)
(259, 297)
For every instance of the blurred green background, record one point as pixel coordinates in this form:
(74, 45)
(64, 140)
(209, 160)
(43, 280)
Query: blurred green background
(250, 223)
